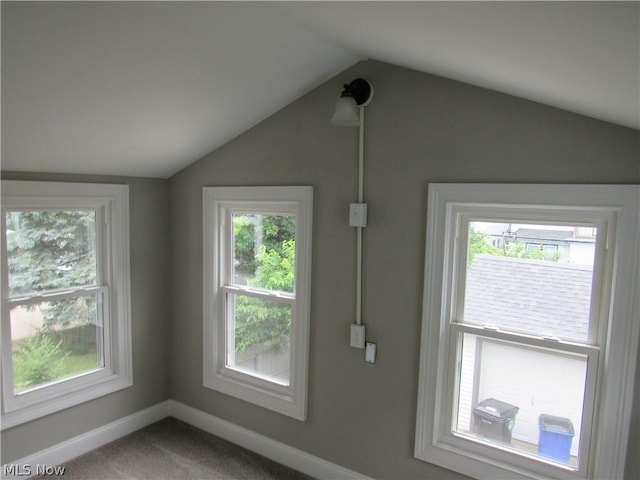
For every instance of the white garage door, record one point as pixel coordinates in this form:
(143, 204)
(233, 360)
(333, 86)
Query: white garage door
(529, 379)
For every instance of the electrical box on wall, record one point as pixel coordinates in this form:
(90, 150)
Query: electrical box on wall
(358, 215)
(357, 335)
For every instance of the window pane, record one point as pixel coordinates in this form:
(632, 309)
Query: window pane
(55, 340)
(259, 337)
(529, 399)
(264, 251)
(533, 279)
(49, 250)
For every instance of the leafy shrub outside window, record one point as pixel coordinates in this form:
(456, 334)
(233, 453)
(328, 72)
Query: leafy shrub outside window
(269, 265)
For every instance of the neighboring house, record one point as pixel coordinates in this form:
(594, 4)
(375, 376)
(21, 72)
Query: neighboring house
(574, 245)
(550, 298)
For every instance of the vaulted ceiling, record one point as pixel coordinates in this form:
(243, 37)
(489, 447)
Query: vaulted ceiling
(145, 88)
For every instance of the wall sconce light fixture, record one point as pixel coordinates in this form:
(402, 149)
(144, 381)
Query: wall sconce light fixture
(356, 94)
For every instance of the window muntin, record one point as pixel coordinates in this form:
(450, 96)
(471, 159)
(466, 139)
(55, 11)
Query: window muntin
(257, 290)
(65, 310)
(608, 350)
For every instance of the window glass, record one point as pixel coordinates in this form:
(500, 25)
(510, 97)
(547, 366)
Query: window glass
(55, 340)
(49, 250)
(264, 251)
(520, 397)
(512, 286)
(260, 337)
(260, 329)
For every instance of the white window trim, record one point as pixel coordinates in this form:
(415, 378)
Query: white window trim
(618, 359)
(289, 400)
(113, 202)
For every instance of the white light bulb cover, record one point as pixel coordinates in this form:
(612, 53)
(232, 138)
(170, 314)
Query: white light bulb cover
(346, 114)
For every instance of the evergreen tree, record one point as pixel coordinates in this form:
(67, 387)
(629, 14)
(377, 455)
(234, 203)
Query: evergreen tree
(53, 250)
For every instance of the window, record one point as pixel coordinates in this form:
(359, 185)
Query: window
(521, 345)
(257, 256)
(65, 308)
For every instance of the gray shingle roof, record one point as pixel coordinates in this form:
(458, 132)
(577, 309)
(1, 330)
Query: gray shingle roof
(535, 296)
(552, 235)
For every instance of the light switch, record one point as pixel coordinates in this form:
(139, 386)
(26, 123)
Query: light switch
(370, 352)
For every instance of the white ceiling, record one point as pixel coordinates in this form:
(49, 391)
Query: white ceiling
(146, 88)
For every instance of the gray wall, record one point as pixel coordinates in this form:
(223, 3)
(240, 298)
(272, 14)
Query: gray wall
(148, 199)
(419, 129)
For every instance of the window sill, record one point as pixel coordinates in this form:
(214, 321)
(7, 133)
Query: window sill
(67, 397)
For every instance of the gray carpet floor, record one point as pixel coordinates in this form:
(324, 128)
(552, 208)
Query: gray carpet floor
(171, 449)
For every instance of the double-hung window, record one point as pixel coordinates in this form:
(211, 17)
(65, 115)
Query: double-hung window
(257, 259)
(527, 354)
(65, 302)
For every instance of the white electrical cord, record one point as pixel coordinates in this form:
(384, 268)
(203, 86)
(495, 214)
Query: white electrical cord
(359, 229)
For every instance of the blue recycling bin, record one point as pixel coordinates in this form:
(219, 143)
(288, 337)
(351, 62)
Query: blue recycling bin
(556, 435)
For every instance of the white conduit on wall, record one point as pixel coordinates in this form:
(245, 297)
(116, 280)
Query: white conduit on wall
(359, 229)
(349, 112)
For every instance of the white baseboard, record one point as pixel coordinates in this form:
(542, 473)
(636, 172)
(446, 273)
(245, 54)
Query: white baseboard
(265, 446)
(279, 452)
(63, 452)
